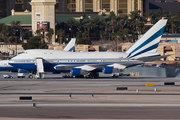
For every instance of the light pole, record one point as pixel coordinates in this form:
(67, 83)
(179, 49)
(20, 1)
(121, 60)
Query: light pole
(117, 43)
(70, 32)
(43, 34)
(16, 46)
(70, 35)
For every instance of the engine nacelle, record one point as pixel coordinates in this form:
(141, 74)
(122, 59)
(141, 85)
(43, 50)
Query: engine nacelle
(108, 70)
(22, 71)
(77, 71)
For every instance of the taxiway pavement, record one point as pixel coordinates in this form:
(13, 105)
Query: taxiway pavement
(79, 98)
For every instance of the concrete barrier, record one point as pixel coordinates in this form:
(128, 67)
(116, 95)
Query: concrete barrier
(169, 83)
(25, 98)
(121, 88)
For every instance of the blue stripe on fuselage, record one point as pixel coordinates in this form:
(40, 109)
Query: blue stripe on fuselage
(8, 69)
(49, 67)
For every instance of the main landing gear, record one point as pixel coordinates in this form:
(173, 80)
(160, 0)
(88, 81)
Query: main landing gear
(67, 76)
(92, 75)
(89, 75)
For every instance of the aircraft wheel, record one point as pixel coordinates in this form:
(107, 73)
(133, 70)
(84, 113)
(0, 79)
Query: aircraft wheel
(30, 76)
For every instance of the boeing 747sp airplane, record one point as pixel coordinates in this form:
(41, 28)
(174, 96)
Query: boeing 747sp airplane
(90, 63)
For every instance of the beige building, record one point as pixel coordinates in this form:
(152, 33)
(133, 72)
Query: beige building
(105, 6)
(11, 48)
(167, 48)
(78, 48)
(86, 48)
(77, 5)
(43, 11)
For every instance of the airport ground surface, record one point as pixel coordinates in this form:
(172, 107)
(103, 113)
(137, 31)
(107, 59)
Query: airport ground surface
(77, 98)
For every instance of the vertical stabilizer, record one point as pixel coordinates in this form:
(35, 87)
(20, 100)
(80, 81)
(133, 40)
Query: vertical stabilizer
(70, 46)
(148, 43)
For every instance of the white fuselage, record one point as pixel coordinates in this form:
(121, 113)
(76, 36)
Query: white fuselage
(56, 54)
(53, 58)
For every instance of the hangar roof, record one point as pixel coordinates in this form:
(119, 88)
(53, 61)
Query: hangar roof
(25, 19)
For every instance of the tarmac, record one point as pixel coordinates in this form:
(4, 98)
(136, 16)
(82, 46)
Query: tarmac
(77, 98)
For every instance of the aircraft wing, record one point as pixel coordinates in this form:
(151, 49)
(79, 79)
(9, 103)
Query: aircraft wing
(88, 68)
(92, 67)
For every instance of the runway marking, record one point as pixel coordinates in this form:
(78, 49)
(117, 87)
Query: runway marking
(85, 105)
(49, 94)
(16, 89)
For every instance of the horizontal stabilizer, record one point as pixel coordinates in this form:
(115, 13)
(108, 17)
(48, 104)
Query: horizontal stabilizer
(154, 58)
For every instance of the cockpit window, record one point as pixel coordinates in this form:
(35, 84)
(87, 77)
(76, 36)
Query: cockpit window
(22, 52)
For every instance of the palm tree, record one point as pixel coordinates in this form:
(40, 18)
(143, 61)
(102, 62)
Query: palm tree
(85, 34)
(103, 14)
(102, 34)
(95, 26)
(25, 33)
(79, 25)
(151, 15)
(139, 26)
(5, 33)
(60, 33)
(71, 23)
(134, 17)
(49, 35)
(120, 12)
(134, 36)
(38, 32)
(111, 16)
(125, 33)
(122, 23)
(144, 30)
(2, 26)
(171, 20)
(160, 13)
(88, 25)
(108, 28)
(84, 16)
(16, 27)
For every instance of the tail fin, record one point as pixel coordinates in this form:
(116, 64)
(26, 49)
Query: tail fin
(148, 43)
(70, 45)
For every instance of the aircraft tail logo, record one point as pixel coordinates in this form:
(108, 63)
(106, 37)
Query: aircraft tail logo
(148, 43)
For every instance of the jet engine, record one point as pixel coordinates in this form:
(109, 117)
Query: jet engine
(22, 71)
(77, 71)
(108, 70)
